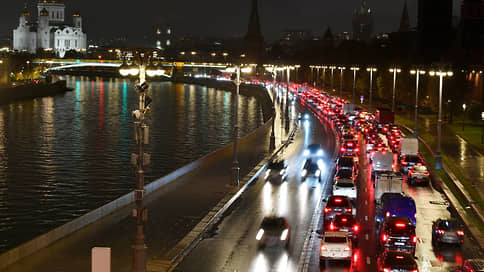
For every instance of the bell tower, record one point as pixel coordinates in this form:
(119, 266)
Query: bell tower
(254, 41)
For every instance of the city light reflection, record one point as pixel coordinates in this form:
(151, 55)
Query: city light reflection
(267, 199)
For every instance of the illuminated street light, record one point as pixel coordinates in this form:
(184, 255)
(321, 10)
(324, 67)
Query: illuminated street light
(354, 69)
(394, 70)
(482, 128)
(441, 75)
(417, 73)
(341, 82)
(371, 70)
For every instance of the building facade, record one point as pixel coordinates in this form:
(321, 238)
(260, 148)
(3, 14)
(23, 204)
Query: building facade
(362, 23)
(50, 32)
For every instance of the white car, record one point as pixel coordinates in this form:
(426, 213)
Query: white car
(345, 187)
(335, 245)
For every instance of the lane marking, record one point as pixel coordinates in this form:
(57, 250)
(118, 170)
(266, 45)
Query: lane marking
(368, 261)
(366, 202)
(366, 217)
(366, 189)
(367, 237)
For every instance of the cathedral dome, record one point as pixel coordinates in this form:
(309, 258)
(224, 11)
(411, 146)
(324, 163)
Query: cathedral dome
(44, 12)
(76, 14)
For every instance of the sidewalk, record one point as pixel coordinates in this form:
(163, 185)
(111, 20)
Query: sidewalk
(173, 212)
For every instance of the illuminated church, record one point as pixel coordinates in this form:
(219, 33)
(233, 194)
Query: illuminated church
(50, 32)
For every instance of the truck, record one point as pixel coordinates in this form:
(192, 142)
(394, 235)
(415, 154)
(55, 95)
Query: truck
(409, 146)
(387, 182)
(348, 108)
(382, 161)
(384, 116)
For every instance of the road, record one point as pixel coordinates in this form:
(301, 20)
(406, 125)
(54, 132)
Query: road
(232, 245)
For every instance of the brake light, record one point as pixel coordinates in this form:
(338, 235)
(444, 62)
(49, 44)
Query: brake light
(349, 210)
(343, 149)
(356, 228)
(327, 210)
(386, 270)
(404, 163)
(441, 232)
(350, 144)
(338, 200)
(415, 270)
(331, 226)
(357, 150)
(460, 233)
(414, 239)
(400, 225)
(344, 219)
(347, 248)
(400, 257)
(323, 248)
(384, 237)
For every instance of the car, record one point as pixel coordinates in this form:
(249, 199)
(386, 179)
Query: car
(335, 245)
(346, 223)
(347, 174)
(409, 160)
(418, 174)
(472, 265)
(313, 150)
(448, 231)
(311, 168)
(396, 204)
(276, 170)
(273, 231)
(396, 261)
(397, 233)
(350, 147)
(346, 162)
(345, 187)
(336, 205)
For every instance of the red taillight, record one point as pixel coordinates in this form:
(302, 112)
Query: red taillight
(441, 232)
(384, 238)
(331, 226)
(356, 228)
(404, 163)
(338, 200)
(349, 210)
(460, 233)
(414, 239)
(400, 225)
(323, 248)
(386, 270)
(350, 144)
(343, 149)
(344, 219)
(357, 150)
(327, 210)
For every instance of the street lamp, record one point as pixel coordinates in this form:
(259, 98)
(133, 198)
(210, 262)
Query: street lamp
(332, 69)
(141, 159)
(371, 70)
(441, 74)
(341, 69)
(324, 74)
(235, 177)
(482, 128)
(394, 70)
(297, 66)
(417, 73)
(464, 106)
(354, 69)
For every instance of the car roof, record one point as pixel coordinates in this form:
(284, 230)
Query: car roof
(335, 234)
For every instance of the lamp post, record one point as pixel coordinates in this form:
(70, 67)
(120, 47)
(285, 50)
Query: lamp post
(312, 78)
(341, 69)
(482, 128)
(354, 69)
(441, 74)
(297, 67)
(464, 106)
(235, 170)
(317, 75)
(394, 70)
(371, 70)
(324, 74)
(141, 159)
(417, 73)
(332, 70)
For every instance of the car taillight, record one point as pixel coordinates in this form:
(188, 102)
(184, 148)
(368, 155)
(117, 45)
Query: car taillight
(357, 150)
(349, 210)
(384, 237)
(343, 149)
(441, 232)
(347, 248)
(460, 233)
(323, 248)
(386, 270)
(414, 239)
(356, 228)
(327, 210)
(400, 225)
(404, 163)
(331, 226)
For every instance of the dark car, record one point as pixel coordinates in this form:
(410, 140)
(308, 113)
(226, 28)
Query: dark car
(311, 169)
(273, 231)
(276, 170)
(346, 162)
(396, 204)
(409, 160)
(398, 233)
(447, 231)
(342, 174)
(313, 150)
(350, 147)
(336, 205)
(472, 265)
(346, 223)
(396, 261)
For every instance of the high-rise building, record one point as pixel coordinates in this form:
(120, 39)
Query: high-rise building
(362, 23)
(254, 41)
(50, 31)
(434, 28)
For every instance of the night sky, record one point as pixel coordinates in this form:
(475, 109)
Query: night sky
(216, 18)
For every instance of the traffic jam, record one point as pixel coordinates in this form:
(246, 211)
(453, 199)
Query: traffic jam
(391, 162)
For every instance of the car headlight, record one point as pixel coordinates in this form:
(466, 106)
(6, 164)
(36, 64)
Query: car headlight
(259, 234)
(306, 152)
(284, 234)
(320, 152)
(306, 116)
(318, 172)
(304, 172)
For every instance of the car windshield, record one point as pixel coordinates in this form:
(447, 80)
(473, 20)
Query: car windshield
(449, 225)
(314, 148)
(399, 260)
(335, 239)
(420, 168)
(345, 174)
(276, 165)
(412, 158)
(345, 184)
(273, 223)
(338, 202)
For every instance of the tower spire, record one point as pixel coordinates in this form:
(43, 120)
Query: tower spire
(404, 21)
(253, 38)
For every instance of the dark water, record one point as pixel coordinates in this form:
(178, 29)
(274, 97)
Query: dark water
(63, 156)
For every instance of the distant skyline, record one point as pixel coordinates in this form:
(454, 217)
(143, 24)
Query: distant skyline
(217, 18)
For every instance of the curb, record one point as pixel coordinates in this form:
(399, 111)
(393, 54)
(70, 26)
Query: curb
(191, 240)
(476, 233)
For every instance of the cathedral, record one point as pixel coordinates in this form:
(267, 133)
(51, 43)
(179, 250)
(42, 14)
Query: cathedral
(50, 32)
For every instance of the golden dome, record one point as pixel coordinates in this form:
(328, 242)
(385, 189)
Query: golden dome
(44, 12)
